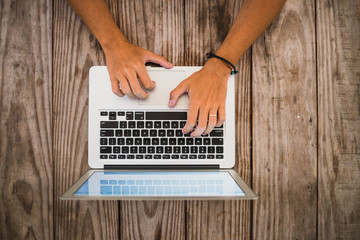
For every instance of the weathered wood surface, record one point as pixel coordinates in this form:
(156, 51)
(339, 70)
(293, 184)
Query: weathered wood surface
(159, 27)
(303, 115)
(207, 24)
(26, 163)
(285, 126)
(75, 50)
(338, 37)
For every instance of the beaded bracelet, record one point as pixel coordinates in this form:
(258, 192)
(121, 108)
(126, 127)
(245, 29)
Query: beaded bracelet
(233, 71)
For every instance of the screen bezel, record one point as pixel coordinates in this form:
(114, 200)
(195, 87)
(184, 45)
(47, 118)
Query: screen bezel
(69, 194)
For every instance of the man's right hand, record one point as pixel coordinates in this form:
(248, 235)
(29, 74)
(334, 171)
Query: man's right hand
(126, 66)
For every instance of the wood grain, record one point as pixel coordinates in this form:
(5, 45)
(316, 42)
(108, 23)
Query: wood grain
(338, 24)
(285, 126)
(206, 26)
(75, 50)
(25, 129)
(159, 27)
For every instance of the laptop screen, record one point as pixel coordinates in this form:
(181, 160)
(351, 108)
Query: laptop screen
(160, 183)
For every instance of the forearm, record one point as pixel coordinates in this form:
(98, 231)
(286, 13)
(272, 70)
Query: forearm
(97, 17)
(252, 19)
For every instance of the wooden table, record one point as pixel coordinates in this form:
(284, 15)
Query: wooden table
(297, 128)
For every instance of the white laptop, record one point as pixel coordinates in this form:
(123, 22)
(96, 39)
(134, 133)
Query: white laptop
(137, 150)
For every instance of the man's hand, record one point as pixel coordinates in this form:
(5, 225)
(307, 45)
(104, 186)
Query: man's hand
(126, 66)
(207, 95)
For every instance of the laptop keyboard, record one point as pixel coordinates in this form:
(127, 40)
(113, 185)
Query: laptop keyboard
(154, 135)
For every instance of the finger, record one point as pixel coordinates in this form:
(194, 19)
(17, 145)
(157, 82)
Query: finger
(192, 117)
(176, 93)
(124, 85)
(145, 79)
(202, 123)
(154, 58)
(115, 86)
(135, 85)
(221, 116)
(212, 121)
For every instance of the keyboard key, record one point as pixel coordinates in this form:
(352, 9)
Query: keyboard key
(125, 190)
(123, 124)
(168, 149)
(162, 133)
(112, 113)
(181, 141)
(116, 190)
(174, 156)
(151, 190)
(139, 182)
(133, 149)
(134, 190)
(219, 156)
(121, 156)
(176, 149)
(153, 133)
(166, 115)
(130, 156)
(139, 115)
(189, 141)
(210, 156)
(124, 149)
(198, 141)
(112, 156)
(116, 149)
(103, 156)
(146, 141)
(159, 149)
(144, 133)
(119, 133)
(132, 124)
(202, 149)
(159, 190)
(129, 115)
(103, 141)
(155, 141)
(129, 141)
(202, 156)
(112, 117)
(219, 149)
(106, 133)
(142, 149)
(172, 141)
(164, 141)
(157, 124)
(182, 124)
(193, 156)
(110, 124)
(106, 190)
(139, 156)
(174, 124)
(127, 133)
(217, 141)
(138, 141)
(112, 141)
(142, 190)
(206, 141)
(148, 156)
(217, 133)
(121, 182)
(148, 124)
(151, 149)
(184, 156)
(185, 149)
(194, 149)
(105, 149)
(120, 141)
(112, 182)
(179, 133)
(140, 124)
(211, 149)
(166, 124)
(170, 133)
(104, 182)
(157, 156)
(136, 133)
(103, 113)
(121, 113)
(166, 156)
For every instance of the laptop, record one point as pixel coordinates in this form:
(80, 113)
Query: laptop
(137, 150)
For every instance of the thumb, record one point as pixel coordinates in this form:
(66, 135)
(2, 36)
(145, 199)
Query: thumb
(154, 58)
(176, 93)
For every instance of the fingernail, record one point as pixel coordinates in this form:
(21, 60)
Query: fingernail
(171, 103)
(154, 82)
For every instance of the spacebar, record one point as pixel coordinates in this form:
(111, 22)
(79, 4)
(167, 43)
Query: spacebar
(166, 115)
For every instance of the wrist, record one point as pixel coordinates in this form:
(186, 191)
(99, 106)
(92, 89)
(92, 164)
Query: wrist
(218, 67)
(115, 38)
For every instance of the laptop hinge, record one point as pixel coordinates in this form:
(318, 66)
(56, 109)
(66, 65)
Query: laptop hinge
(139, 167)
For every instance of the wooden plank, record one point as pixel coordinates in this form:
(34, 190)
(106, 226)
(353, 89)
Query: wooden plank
(159, 27)
(285, 126)
(75, 50)
(207, 24)
(26, 162)
(338, 35)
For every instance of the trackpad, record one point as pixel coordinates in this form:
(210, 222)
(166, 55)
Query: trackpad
(166, 81)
